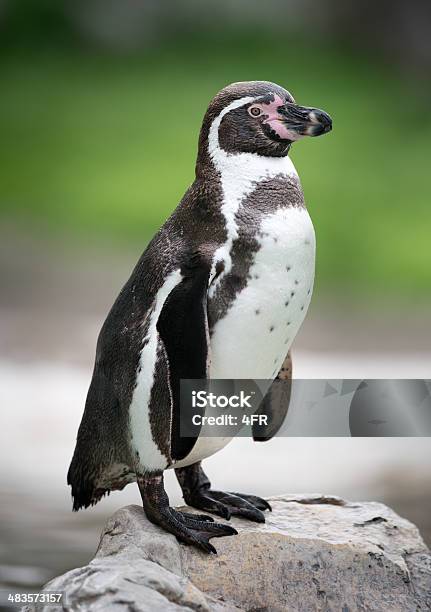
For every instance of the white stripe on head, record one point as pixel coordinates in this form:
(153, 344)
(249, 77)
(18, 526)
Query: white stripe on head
(213, 141)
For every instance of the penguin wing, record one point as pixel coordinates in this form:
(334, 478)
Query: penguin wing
(275, 404)
(183, 329)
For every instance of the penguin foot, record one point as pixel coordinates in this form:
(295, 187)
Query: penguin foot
(227, 504)
(197, 493)
(194, 529)
(256, 501)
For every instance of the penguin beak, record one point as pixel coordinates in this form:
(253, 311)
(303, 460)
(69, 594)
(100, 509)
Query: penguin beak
(304, 121)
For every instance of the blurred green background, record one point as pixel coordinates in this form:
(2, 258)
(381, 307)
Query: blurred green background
(101, 105)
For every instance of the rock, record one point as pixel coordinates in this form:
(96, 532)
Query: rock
(313, 553)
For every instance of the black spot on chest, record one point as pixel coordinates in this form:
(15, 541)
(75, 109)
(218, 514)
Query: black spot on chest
(269, 195)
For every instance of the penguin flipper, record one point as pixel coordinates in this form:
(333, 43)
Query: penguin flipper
(275, 404)
(183, 329)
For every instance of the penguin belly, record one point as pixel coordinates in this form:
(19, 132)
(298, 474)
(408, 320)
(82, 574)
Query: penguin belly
(253, 338)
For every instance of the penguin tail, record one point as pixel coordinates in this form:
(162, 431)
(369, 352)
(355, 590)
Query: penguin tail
(85, 492)
(101, 458)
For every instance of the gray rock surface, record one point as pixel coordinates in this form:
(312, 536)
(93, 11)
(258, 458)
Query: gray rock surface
(313, 553)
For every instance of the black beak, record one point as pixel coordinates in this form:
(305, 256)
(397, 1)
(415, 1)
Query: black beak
(304, 120)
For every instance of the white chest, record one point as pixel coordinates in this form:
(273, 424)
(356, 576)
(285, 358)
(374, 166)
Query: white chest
(252, 340)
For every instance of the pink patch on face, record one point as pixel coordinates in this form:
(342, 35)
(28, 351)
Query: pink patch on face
(273, 118)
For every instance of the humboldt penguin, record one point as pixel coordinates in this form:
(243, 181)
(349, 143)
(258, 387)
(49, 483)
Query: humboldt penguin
(219, 293)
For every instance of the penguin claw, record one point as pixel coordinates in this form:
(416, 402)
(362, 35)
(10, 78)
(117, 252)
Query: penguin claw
(231, 504)
(198, 533)
(193, 521)
(190, 530)
(256, 501)
(252, 514)
(207, 547)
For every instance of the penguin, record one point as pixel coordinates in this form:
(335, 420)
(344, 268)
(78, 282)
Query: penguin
(219, 293)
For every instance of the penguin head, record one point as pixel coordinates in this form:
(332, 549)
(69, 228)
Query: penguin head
(259, 117)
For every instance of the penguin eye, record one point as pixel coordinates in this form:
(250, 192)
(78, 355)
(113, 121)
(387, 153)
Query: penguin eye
(254, 111)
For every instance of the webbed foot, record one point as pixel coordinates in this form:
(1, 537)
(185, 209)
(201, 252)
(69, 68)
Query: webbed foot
(195, 529)
(198, 493)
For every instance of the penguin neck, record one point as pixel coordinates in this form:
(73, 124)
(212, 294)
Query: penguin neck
(245, 165)
(240, 173)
